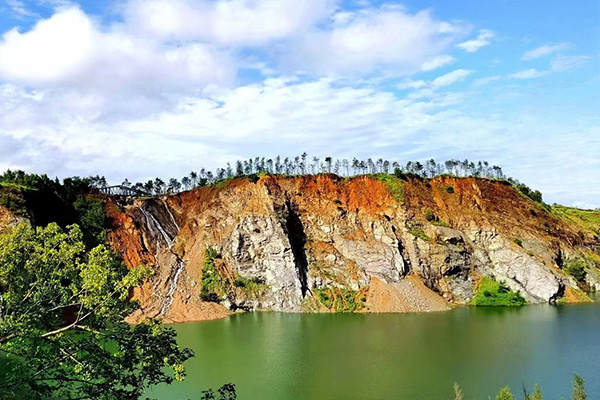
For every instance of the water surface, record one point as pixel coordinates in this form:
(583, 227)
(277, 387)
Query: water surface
(274, 356)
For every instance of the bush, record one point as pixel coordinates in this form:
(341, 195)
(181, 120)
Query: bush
(449, 189)
(492, 293)
(341, 300)
(254, 288)
(212, 285)
(534, 195)
(576, 268)
(13, 200)
(518, 241)
(429, 216)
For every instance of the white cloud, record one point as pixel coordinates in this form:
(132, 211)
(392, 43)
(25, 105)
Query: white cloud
(410, 84)
(482, 40)
(362, 41)
(450, 78)
(233, 22)
(563, 63)
(158, 93)
(284, 116)
(19, 9)
(52, 50)
(70, 53)
(437, 62)
(544, 50)
(486, 80)
(527, 74)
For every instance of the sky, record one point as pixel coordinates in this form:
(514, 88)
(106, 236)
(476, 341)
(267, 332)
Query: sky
(144, 88)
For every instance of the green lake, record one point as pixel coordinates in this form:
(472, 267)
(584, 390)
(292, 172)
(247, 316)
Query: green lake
(393, 356)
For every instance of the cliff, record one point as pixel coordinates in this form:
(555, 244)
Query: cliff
(369, 244)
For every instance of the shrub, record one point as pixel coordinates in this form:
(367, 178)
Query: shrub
(429, 216)
(13, 200)
(254, 288)
(518, 241)
(449, 189)
(340, 299)
(492, 293)
(212, 283)
(576, 268)
(534, 195)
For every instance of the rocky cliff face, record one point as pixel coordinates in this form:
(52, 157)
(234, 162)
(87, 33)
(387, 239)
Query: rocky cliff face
(419, 246)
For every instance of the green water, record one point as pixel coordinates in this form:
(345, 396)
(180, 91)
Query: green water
(393, 356)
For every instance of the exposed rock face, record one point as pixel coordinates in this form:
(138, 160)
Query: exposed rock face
(300, 234)
(9, 219)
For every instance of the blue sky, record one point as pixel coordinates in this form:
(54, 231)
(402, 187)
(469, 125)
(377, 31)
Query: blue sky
(145, 88)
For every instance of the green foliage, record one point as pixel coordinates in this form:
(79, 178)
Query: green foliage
(418, 232)
(225, 392)
(92, 220)
(458, 394)
(62, 321)
(12, 198)
(534, 195)
(576, 268)
(394, 185)
(588, 220)
(216, 287)
(492, 293)
(440, 222)
(212, 283)
(340, 299)
(254, 288)
(518, 241)
(504, 394)
(429, 215)
(579, 388)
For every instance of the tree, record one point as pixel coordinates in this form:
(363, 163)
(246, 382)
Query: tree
(505, 394)
(62, 312)
(328, 161)
(579, 388)
(225, 392)
(458, 394)
(537, 393)
(186, 182)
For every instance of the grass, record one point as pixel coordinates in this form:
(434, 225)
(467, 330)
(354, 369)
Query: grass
(490, 293)
(341, 300)
(588, 220)
(440, 222)
(418, 232)
(394, 184)
(254, 288)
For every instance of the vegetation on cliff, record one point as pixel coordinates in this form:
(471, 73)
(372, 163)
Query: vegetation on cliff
(490, 293)
(62, 311)
(219, 283)
(341, 299)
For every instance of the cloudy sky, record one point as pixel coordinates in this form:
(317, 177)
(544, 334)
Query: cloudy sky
(145, 88)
